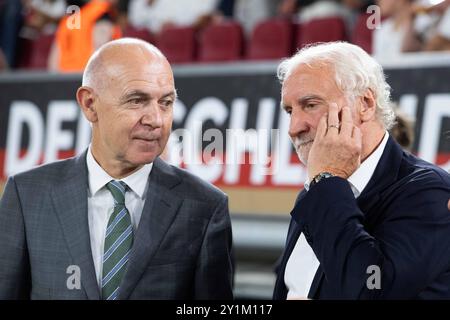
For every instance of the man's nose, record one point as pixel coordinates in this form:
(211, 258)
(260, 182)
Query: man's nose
(298, 123)
(153, 116)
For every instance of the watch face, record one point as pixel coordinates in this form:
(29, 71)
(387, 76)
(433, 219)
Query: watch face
(320, 176)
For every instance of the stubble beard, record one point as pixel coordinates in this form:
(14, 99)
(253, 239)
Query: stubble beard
(302, 147)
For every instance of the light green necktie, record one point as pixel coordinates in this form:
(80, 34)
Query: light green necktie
(118, 242)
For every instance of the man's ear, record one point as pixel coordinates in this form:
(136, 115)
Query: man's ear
(86, 99)
(368, 107)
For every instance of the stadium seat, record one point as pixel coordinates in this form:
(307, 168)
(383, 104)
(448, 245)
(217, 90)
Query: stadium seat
(271, 39)
(177, 43)
(321, 30)
(139, 33)
(23, 53)
(221, 42)
(362, 35)
(39, 52)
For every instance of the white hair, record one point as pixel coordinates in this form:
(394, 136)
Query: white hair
(355, 72)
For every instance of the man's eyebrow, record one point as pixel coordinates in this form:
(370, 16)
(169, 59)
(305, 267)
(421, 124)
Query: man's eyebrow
(144, 95)
(134, 94)
(171, 94)
(283, 106)
(303, 100)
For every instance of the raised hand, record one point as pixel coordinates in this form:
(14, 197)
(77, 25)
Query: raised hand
(337, 147)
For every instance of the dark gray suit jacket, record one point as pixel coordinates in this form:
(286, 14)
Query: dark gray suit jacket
(182, 248)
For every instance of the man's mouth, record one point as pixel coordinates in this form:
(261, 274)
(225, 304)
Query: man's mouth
(303, 143)
(148, 139)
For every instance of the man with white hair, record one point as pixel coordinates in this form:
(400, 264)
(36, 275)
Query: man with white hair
(372, 221)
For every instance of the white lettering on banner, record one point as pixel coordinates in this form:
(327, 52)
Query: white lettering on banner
(269, 149)
(408, 105)
(26, 114)
(174, 145)
(208, 108)
(179, 111)
(237, 140)
(264, 123)
(437, 107)
(84, 132)
(58, 139)
(255, 142)
(21, 114)
(289, 173)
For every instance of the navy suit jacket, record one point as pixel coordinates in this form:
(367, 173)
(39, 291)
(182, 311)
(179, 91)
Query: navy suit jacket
(400, 223)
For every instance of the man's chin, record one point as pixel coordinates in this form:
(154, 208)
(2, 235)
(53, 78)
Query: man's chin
(143, 158)
(303, 156)
(303, 159)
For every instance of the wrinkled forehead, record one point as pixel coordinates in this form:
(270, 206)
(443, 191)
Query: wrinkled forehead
(308, 74)
(316, 69)
(140, 69)
(155, 74)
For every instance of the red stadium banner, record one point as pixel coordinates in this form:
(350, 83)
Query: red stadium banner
(228, 127)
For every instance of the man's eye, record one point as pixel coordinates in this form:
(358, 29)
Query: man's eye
(167, 103)
(288, 111)
(136, 101)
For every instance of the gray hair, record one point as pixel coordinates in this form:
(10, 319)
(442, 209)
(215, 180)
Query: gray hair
(355, 73)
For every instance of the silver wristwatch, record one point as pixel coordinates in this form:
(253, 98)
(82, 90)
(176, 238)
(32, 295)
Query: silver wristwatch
(320, 176)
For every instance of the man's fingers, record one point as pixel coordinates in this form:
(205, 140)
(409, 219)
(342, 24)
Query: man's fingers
(448, 205)
(357, 136)
(347, 122)
(333, 119)
(322, 127)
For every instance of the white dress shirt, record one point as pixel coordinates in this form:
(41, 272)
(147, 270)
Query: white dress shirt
(303, 264)
(101, 204)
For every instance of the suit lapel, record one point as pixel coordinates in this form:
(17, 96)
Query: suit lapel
(384, 175)
(70, 203)
(316, 283)
(161, 206)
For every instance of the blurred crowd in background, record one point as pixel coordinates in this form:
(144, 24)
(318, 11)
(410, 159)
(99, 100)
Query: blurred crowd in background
(53, 35)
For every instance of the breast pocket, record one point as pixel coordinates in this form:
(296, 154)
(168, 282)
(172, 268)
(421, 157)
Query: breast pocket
(172, 256)
(182, 242)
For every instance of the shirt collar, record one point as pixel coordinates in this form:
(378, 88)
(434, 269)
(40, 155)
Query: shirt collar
(98, 178)
(361, 177)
